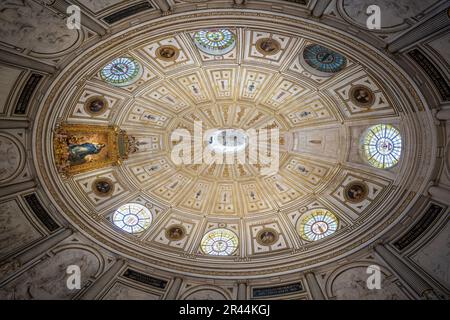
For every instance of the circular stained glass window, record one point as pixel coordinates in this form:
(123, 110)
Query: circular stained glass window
(324, 59)
(382, 146)
(121, 72)
(317, 224)
(215, 42)
(132, 218)
(219, 242)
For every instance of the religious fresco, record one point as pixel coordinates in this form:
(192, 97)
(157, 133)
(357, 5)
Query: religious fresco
(81, 148)
(267, 237)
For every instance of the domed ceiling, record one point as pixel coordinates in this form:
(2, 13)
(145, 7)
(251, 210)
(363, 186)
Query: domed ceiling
(345, 151)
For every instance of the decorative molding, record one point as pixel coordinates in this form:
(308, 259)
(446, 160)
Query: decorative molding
(432, 212)
(433, 73)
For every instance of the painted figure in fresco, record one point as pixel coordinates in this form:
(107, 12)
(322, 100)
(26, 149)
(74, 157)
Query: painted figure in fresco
(78, 152)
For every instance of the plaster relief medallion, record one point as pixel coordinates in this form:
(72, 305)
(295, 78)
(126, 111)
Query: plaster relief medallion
(317, 224)
(96, 105)
(219, 242)
(362, 96)
(175, 232)
(268, 46)
(103, 187)
(382, 146)
(267, 237)
(167, 53)
(227, 140)
(356, 191)
(41, 31)
(215, 42)
(10, 158)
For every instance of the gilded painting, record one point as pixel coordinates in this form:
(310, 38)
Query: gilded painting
(81, 148)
